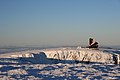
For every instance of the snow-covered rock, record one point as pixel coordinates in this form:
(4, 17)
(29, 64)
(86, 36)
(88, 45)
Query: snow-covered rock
(80, 55)
(68, 55)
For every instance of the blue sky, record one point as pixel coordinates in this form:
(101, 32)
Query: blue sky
(59, 22)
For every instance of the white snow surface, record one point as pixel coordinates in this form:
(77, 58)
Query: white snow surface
(60, 64)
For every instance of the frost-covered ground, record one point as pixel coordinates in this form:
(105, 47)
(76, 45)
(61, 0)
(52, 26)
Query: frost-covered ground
(59, 71)
(37, 66)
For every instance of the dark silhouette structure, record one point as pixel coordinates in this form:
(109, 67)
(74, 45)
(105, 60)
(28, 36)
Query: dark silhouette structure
(90, 41)
(92, 44)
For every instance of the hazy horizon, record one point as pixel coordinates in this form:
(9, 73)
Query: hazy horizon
(59, 22)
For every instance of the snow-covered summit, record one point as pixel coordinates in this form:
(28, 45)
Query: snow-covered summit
(82, 55)
(68, 55)
(60, 64)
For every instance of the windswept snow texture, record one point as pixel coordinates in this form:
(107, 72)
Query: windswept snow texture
(59, 71)
(82, 55)
(47, 65)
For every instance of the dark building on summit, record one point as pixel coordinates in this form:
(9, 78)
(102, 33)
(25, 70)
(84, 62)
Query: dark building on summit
(92, 44)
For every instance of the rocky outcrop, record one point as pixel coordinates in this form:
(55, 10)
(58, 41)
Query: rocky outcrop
(84, 55)
(68, 55)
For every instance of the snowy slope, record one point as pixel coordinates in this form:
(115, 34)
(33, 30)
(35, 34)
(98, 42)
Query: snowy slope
(59, 64)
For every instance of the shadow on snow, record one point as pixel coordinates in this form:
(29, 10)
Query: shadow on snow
(41, 58)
